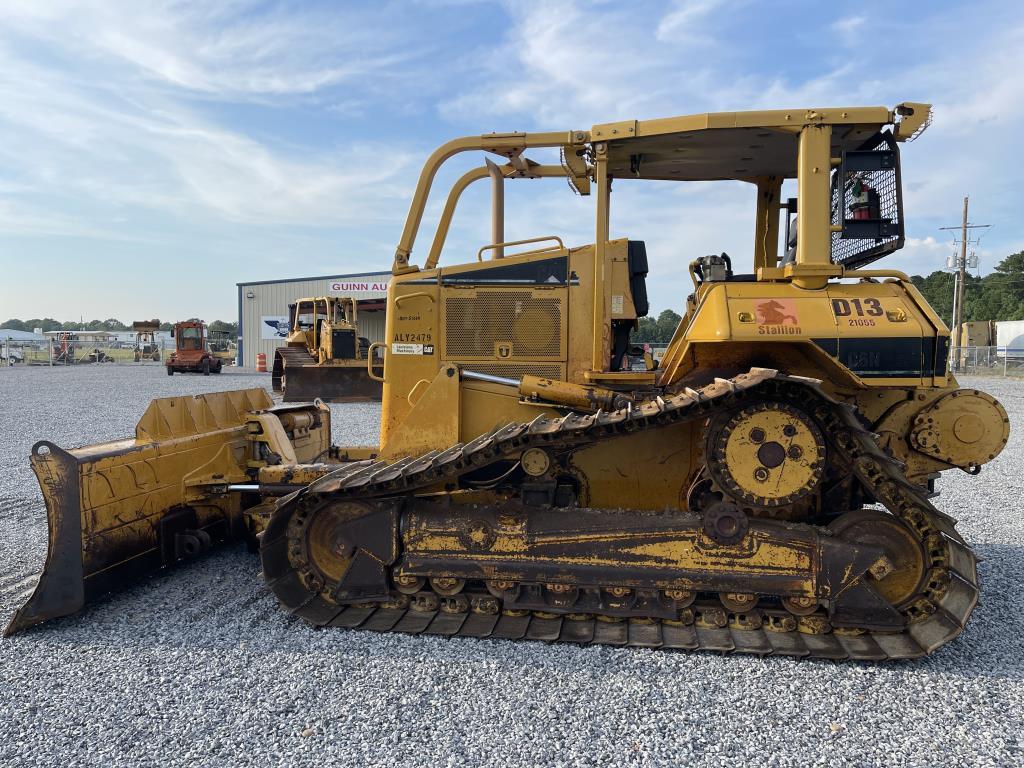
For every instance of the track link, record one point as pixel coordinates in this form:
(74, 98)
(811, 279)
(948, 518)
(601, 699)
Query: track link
(934, 616)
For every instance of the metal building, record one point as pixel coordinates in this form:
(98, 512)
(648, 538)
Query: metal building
(263, 308)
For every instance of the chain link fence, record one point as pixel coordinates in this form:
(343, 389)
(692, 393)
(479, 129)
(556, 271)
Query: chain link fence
(69, 349)
(73, 351)
(986, 361)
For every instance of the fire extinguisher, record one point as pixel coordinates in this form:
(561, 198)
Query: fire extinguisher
(865, 203)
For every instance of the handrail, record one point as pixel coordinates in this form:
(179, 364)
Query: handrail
(405, 296)
(441, 234)
(878, 273)
(369, 360)
(492, 246)
(455, 194)
(508, 144)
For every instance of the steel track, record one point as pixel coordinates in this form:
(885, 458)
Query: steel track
(934, 616)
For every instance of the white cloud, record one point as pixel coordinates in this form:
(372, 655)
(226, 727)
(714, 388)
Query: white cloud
(682, 23)
(236, 49)
(694, 59)
(552, 69)
(550, 74)
(107, 137)
(921, 255)
(151, 132)
(20, 220)
(849, 28)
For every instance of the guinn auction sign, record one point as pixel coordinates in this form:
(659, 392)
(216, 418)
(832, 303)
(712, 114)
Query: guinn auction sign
(374, 285)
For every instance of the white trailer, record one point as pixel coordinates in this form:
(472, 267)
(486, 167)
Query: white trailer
(1010, 339)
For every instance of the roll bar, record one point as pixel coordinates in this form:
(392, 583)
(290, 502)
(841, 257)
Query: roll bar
(507, 171)
(510, 145)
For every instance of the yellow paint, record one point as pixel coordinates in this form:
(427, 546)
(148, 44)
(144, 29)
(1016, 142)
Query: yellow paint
(443, 318)
(432, 421)
(764, 553)
(794, 472)
(963, 428)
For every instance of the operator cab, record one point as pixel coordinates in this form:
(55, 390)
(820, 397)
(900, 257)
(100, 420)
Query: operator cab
(190, 338)
(306, 314)
(844, 162)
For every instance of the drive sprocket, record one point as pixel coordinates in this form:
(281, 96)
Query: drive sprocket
(767, 454)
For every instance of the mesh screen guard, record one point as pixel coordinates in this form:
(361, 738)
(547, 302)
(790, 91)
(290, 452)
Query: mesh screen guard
(851, 248)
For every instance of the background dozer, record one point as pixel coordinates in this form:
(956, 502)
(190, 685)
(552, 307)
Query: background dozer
(325, 356)
(223, 346)
(767, 489)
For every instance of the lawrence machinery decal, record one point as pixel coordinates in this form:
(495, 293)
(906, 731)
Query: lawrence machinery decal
(412, 349)
(406, 349)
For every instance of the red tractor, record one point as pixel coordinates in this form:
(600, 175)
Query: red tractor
(192, 350)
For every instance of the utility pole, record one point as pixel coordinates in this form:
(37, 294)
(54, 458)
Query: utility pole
(959, 283)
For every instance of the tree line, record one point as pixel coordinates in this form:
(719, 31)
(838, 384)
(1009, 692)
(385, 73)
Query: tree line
(49, 324)
(998, 295)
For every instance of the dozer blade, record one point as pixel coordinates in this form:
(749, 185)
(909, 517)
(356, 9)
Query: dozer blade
(120, 510)
(331, 383)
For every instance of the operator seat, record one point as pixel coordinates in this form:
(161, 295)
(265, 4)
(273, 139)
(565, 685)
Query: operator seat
(790, 256)
(636, 254)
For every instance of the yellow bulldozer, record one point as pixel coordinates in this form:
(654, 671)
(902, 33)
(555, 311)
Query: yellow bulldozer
(767, 489)
(324, 356)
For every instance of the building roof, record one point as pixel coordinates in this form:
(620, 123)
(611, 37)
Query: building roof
(316, 277)
(130, 335)
(83, 332)
(14, 335)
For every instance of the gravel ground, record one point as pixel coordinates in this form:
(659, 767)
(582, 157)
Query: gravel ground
(198, 667)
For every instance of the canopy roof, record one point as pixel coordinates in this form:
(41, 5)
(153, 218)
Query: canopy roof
(746, 146)
(735, 145)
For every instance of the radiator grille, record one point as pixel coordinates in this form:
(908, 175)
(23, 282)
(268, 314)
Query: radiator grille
(475, 324)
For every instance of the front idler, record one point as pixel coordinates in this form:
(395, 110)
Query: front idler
(318, 555)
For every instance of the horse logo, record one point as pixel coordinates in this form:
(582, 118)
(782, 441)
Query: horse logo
(774, 312)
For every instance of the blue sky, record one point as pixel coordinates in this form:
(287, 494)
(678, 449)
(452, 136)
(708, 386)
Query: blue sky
(153, 154)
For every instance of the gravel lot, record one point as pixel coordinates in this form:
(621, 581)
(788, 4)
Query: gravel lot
(198, 667)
